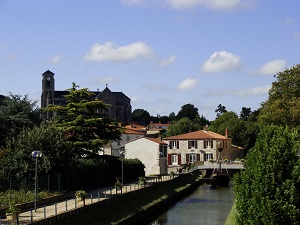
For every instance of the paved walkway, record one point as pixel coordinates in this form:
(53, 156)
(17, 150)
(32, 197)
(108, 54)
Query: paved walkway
(29, 216)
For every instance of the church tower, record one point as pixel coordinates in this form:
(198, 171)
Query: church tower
(47, 91)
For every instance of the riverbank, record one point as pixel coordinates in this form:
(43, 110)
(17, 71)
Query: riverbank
(134, 207)
(231, 216)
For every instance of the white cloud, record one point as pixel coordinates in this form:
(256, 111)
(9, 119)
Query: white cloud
(112, 52)
(211, 4)
(296, 35)
(187, 84)
(168, 61)
(271, 67)
(241, 93)
(221, 61)
(190, 4)
(55, 59)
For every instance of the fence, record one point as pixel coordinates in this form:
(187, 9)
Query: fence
(100, 196)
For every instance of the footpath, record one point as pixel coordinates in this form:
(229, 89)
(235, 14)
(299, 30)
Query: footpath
(31, 216)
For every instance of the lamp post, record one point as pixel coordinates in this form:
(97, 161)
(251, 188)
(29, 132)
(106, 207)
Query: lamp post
(122, 154)
(35, 154)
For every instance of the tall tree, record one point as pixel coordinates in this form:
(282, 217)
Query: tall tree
(245, 113)
(268, 190)
(283, 104)
(188, 111)
(16, 113)
(86, 130)
(141, 115)
(182, 126)
(220, 110)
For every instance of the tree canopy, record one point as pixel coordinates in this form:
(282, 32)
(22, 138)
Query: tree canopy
(268, 190)
(188, 111)
(141, 115)
(220, 110)
(16, 113)
(184, 125)
(85, 129)
(283, 104)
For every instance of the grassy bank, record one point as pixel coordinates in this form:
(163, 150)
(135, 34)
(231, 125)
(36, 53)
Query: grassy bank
(117, 211)
(231, 216)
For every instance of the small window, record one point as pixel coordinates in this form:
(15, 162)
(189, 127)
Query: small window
(208, 144)
(192, 144)
(192, 157)
(174, 144)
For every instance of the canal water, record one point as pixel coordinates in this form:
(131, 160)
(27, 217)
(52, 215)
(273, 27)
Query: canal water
(205, 206)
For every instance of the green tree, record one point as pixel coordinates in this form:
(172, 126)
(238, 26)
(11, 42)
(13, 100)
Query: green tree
(172, 116)
(141, 115)
(188, 111)
(268, 190)
(220, 110)
(283, 104)
(85, 129)
(16, 113)
(245, 113)
(18, 161)
(182, 126)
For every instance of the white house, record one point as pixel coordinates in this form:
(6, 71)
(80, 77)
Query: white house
(152, 152)
(130, 132)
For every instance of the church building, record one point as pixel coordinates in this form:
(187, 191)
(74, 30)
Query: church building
(120, 107)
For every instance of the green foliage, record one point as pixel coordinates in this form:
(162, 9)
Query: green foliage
(182, 126)
(220, 110)
(86, 131)
(18, 161)
(268, 190)
(188, 111)
(243, 133)
(283, 104)
(16, 113)
(141, 115)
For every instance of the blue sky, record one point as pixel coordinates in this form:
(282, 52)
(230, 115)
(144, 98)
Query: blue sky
(162, 54)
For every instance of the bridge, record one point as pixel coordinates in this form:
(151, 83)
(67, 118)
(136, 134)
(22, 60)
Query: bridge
(237, 166)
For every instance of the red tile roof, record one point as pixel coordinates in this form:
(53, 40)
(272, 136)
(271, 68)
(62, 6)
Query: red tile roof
(156, 140)
(198, 135)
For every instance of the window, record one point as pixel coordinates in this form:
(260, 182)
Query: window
(192, 144)
(106, 100)
(174, 144)
(192, 158)
(208, 144)
(174, 160)
(208, 156)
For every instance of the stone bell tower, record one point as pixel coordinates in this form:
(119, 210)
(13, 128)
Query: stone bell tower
(48, 90)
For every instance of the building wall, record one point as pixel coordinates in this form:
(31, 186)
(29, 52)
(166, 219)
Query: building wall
(147, 152)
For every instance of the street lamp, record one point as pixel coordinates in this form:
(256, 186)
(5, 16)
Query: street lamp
(122, 154)
(35, 154)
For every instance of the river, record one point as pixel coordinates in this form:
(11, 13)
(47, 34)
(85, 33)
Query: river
(206, 206)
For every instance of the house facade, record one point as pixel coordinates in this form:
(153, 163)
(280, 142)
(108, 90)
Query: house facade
(129, 133)
(152, 152)
(199, 146)
(120, 106)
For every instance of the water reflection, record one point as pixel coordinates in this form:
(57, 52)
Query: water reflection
(205, 206)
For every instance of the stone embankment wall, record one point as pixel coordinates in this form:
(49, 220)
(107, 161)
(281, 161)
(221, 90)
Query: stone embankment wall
(168, 193)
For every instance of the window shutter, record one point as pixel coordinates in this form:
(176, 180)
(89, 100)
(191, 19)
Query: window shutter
(189, 144)
(196, 144)
(212, 144)
(179, 159)
(204, 144)
(198, 157)
(169, 159)
(177, 144)
(204, 156)
(187, 157)
(170, 144)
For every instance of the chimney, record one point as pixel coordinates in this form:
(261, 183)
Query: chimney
(226, 133)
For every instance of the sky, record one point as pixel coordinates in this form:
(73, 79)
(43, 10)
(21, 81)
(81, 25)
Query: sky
(162, 54)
